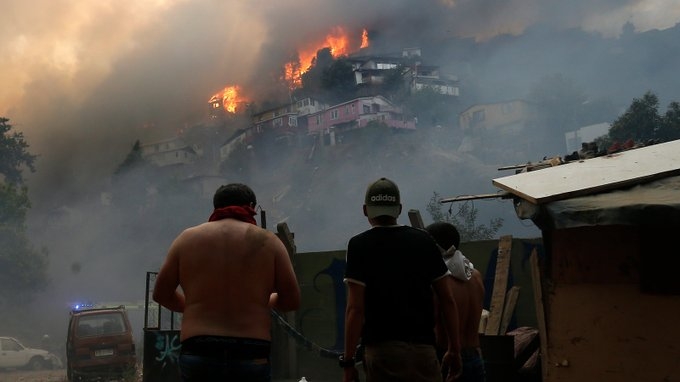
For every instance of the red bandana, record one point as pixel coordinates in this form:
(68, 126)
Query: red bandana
(242, 213)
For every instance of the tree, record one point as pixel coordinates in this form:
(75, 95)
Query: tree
(640, 122)
(465, 220)
(13, 154)
(338, 79)
(431, 107)
(132, 160)
(670, 123)
(312, 78)
(23, 270)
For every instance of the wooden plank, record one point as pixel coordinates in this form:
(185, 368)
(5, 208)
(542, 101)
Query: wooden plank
(510, 303)
(415, 219)
(500, 285)
(288, 353)
(540, 312)
(287, 238)
(594, 175)
(462, 198)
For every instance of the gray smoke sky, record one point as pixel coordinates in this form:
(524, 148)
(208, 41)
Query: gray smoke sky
(83, 77)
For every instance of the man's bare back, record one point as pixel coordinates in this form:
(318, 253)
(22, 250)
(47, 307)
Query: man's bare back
(230, 274)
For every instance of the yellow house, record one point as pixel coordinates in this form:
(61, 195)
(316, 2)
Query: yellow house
(511, 116)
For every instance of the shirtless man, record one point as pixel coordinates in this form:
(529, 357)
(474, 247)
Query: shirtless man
(468, 290)
(225, 276)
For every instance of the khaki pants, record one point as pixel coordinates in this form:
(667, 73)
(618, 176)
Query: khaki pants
(394, 361)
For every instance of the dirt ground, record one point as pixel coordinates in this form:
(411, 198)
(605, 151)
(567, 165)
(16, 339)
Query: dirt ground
(35, 376)
(47, 376)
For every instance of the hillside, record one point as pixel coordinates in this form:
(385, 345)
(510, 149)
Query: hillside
(320, 196)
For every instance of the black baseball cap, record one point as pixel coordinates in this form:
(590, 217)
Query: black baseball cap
(382, 199)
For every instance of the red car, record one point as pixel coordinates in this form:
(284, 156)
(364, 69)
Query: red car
(100, 345)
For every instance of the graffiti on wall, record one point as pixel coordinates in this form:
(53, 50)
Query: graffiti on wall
(336, 271)
(161, 353)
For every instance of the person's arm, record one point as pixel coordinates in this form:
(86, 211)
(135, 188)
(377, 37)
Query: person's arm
(165, 290)
(449, 310)
(286, 297)
(354, 322)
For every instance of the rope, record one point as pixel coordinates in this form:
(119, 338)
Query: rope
(304, 341)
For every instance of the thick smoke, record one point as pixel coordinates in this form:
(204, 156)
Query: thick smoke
(83, 80)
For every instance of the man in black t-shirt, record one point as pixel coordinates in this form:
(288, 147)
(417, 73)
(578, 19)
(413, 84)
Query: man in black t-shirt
(391, 274)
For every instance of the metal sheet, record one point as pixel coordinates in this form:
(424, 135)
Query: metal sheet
(595, 175)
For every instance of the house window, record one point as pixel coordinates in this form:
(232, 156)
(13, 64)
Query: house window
(347, 110)
(292, 120)
(385, 66)
(319, 119)
(277, 122)
(334, 114)
(352, 108)
(367, 109)
(478, 116)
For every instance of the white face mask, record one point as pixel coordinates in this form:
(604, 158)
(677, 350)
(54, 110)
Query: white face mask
(459, 265)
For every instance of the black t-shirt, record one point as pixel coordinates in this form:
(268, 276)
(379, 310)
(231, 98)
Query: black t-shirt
(397, 266)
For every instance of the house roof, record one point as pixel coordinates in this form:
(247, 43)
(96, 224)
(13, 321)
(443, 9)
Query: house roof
(590, 176)
(635, 187)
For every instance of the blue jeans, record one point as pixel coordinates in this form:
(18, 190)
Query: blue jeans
(473, 368)
(196, 368)
(220, 359)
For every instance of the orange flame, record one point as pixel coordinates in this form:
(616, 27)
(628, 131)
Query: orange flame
(337, 40)
(228, 98)
(364, 39)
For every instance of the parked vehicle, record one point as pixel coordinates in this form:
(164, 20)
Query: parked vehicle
(100, 345)
(14, 355)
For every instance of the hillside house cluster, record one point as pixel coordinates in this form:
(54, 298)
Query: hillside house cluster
(168, 152)
(371, 70)
(312, 117)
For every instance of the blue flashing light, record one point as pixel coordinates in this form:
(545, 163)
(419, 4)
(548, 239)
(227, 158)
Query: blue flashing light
(79, 306)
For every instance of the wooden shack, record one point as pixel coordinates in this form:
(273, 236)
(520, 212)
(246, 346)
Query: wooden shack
(609, 278)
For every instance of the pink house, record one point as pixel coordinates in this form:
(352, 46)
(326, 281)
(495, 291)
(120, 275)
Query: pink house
(356, 114)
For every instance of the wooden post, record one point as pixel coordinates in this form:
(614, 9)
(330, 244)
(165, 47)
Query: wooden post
(500, 285)
(288, 356)
(540, 312)
(415, 219)
(288, 239)
(509, 309)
